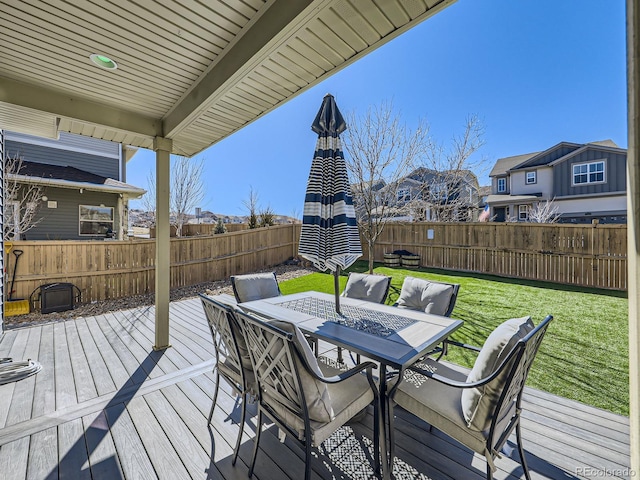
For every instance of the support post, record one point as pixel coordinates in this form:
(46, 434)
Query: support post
(633, 227)
(162, 147)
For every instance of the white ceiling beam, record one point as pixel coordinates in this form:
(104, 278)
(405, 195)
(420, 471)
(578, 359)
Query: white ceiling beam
(271, 24)
(62, 105)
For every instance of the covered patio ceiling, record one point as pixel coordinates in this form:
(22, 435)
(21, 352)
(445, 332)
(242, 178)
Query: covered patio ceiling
(188, 72)
(192, 71)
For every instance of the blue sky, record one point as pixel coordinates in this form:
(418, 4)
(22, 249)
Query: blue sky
(536, 72)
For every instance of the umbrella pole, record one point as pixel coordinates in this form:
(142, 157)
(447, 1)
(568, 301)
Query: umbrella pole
(336, 288)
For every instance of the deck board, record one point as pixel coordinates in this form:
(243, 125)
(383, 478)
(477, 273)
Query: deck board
(97, 366)
(13, 459)
(133, 456)
(117, 371)
(73, 459)
(44, 398)
(22, 401)
(103, 458)
(106, 405)
(83, 378)
(65, 384)
(163, 456)
(43, 455)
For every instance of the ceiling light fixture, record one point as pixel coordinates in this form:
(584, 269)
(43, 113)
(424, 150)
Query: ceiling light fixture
(103, 61)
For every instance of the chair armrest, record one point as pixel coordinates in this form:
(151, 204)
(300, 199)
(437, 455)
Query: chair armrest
(368, 366)
(462, 345)
(457, 384)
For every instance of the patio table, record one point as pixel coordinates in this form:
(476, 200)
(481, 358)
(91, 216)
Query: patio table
(394, 337)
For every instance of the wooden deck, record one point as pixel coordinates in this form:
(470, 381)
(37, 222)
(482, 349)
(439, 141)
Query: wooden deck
(105, 405)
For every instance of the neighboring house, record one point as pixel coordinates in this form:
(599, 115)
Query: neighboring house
(429, 195)
(585, 182)
(84, 194)
(439, 196)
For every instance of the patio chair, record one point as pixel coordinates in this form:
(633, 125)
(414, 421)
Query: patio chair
(232, 358)
(255, 286)
(364, 286)
(481, 409)
(429, 296)
(305, 402)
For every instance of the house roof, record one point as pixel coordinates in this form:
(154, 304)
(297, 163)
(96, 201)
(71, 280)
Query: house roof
(503, 165)
(70, 177)
(191, 72)
(605, 143)
(428, 175)
(375, 185)
(589, 146)
(527, 160)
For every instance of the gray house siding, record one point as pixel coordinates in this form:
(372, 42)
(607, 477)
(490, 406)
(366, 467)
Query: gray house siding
(62, 222)
(615, 174)
(99, 165)
(551, 156)
(104, 148)
(69, 141)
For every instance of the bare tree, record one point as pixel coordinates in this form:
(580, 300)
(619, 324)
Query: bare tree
(543, 212)
(295, 215)
(149, 199)
(21, 201)
(380, 151)
(186, 190)
(450, 189)
(251, 203)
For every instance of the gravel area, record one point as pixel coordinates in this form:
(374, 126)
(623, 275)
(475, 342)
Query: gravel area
(283, 272)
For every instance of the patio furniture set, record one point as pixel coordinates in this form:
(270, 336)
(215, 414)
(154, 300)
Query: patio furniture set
(267, 347)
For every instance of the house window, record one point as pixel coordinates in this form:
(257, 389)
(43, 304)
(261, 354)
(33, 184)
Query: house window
(439, 191)
(502, 185)
(404, 195)
(96, 220)
(531, 178)
(523, 213)
(588, 173)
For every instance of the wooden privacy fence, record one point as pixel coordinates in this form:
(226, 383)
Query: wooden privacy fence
(193, 230)
(568, 254)
(585, 255)
(113, 269)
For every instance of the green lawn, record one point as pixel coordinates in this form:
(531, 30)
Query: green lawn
(584, 355)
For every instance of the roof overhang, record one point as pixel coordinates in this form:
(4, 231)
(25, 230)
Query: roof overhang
(496, 200)
(111, 186)
(190, 72)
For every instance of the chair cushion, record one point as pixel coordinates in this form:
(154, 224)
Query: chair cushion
(242, 345)
(426, 296)
(478, 404)
(372, 288)
(439, 404)
(348, 398)
(255, 286)
(228, 371)
(316, 393)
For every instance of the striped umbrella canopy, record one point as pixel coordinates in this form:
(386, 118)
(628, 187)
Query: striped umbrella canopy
(329, 237)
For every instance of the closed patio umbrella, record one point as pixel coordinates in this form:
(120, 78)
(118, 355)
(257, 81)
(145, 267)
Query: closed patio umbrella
(329, 237)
